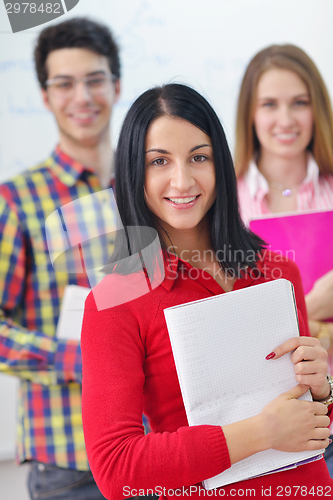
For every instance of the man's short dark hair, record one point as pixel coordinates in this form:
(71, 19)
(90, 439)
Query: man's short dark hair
(78, 32)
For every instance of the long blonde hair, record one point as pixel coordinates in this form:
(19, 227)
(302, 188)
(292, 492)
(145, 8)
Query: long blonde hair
(294, 59)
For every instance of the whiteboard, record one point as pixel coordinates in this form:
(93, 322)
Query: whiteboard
(204, 43)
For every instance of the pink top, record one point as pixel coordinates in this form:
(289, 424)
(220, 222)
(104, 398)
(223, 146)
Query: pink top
(315, 193)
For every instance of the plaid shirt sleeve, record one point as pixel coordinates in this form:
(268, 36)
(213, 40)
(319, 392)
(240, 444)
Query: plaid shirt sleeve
(37, 357)
(28, 354)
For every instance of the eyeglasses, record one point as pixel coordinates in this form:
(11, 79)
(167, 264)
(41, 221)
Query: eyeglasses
(65, 86)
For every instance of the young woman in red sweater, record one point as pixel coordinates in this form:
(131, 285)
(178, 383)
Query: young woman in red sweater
(174, 174)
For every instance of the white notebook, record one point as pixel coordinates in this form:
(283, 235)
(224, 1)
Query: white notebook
(71, 313)
(219, 345)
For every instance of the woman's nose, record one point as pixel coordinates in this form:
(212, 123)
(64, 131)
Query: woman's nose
(182, 177)
(285, 116)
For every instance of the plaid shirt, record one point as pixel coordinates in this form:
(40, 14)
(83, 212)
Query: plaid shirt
(31, 289)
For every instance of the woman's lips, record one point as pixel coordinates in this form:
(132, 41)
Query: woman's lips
(286, 138)
(182, 203)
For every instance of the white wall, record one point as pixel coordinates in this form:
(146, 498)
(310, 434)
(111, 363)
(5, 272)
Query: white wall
(8, 390)
(205, 43)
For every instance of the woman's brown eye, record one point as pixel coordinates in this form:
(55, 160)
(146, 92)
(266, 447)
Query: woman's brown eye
(199, 158)
(159, 162)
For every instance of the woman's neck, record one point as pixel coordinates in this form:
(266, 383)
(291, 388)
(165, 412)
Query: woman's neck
(194, 246)
(287, 172)
(189, 245)
(284, 177)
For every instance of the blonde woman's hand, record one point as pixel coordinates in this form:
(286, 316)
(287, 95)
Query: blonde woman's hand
(319, 301)
(325, 340)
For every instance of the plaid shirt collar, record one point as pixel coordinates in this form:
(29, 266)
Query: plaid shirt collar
(67, 170)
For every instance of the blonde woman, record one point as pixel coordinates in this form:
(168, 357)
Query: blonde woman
(284, 152)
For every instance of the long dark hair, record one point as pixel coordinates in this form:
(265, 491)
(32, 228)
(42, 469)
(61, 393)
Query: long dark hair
(227, 231)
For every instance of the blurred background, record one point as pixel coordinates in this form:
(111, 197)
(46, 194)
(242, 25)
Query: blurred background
(206, 44)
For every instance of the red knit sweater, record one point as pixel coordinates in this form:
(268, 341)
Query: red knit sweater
(128, 369)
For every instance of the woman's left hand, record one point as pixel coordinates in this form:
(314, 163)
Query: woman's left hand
(310, 364)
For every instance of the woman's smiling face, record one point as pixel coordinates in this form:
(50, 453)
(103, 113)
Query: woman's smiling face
(283, 116)
(180, 173)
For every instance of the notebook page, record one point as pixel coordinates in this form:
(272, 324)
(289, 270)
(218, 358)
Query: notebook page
(71, 313)
(219, 345)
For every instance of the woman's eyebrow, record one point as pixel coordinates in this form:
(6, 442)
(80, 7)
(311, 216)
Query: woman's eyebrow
(165, 152)
(156, 150)
(262, 98)
(200, 146)
(301, 95)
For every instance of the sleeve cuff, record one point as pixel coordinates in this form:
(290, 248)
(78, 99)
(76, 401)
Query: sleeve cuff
(68, 361)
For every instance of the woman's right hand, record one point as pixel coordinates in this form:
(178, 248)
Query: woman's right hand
(319, 301)
(295, 425)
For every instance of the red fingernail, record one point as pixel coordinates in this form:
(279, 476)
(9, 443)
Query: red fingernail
(330, 440)
(270, 355)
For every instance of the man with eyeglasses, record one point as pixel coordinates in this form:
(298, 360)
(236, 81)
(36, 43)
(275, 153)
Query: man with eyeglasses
(78, 68)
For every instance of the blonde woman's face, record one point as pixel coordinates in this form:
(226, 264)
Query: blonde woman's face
(283, 116)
